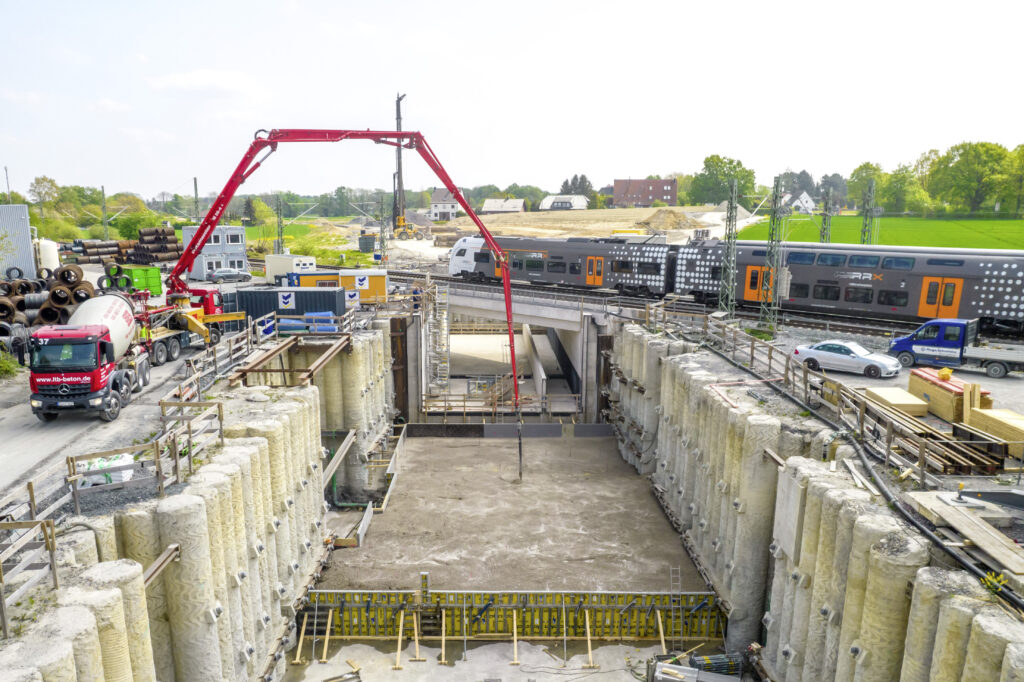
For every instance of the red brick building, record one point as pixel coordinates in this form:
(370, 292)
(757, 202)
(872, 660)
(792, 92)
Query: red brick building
(643, 193)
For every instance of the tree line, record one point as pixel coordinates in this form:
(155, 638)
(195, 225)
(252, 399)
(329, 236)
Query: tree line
(967, 178)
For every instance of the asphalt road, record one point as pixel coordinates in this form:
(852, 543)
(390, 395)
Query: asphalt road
(28, 445)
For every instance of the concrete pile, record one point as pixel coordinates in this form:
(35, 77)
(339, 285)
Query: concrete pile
(248, 525)
(843, 588)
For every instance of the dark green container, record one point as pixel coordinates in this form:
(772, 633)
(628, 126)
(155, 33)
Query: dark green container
(145, 277)
(366, 242)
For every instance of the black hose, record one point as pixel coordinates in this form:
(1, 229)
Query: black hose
(1005, 593)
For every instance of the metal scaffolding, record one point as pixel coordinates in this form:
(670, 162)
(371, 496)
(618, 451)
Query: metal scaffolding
(825, 231)
(438, 325)
(869, 227)
(727, 292)
(771, 272)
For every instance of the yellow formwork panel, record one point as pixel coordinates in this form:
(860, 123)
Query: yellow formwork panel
(539, 615)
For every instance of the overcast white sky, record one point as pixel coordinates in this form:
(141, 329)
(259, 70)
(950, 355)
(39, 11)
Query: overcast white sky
(141, 96)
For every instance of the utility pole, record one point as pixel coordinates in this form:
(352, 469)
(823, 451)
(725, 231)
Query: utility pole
(826, 218)
(279, 242)
(8, 179)
(195, 200)
(400, 184)
(768, 318)
(867, 228)
(727, 292)
(106, 224)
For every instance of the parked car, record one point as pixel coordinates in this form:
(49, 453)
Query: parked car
(228, 275)
(847, 356)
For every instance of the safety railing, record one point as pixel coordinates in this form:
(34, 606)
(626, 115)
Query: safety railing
(192, 428)
(22, 539)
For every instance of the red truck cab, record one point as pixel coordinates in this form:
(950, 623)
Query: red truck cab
(70, 368)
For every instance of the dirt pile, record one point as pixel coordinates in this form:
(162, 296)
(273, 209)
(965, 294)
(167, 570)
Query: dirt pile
(664, 220)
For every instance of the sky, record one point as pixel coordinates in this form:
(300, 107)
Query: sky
(142, 96)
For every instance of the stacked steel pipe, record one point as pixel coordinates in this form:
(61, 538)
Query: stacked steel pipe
(156, 244)
(49, 299)
(100, 251)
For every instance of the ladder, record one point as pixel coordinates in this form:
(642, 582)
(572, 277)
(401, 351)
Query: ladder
(675, 587)
(438, 346)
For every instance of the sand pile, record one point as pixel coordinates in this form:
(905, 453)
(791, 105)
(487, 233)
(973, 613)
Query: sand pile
(665, 220)
(741, 213)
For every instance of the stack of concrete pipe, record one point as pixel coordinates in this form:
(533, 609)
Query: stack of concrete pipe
(852, 593)
(249, 524)
(48, 299)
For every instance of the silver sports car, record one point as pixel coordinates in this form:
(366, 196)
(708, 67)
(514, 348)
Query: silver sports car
(846, 356)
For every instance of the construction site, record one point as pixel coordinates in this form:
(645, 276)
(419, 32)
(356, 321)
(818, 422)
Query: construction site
(447, 478)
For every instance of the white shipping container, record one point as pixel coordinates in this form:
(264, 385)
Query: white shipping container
(282, 264)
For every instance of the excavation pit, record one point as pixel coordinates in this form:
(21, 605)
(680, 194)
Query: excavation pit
(580, 520)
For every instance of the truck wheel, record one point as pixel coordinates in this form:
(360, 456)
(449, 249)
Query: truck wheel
(215, 336)
(996, 370)
(906, 359)
(159, 353)
(173, 349)
(46, 417)
(419, 236)
(403, 235)
(144, 374)
(113, 408)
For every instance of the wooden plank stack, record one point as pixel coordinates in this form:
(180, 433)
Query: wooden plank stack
(1005, 424)
(897, 398)
(945, 398)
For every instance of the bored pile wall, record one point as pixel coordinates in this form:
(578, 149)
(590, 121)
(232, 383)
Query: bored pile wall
(819, 572)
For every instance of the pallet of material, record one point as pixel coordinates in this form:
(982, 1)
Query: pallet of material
(945, 398)
(1005, 424)
(898, 399)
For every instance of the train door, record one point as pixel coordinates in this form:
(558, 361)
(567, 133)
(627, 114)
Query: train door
(595, 270)
(940, 297)
(753, 282)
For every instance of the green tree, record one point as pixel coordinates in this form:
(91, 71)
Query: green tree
(44, 190)
(805, 183)
(12, 198)
(859, 178)
(968, 174)
(838, 184)
(91, 214)
(128, 224)
(1013, 178)
(923, 166)
(262, 214)
(684, 182)
(711, 184)
(902, 192)
(249, 211)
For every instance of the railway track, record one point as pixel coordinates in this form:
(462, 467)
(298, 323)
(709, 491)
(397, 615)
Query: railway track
(681, 305)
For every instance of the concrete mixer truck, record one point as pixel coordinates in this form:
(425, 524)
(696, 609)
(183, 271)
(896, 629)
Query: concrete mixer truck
(96, 361)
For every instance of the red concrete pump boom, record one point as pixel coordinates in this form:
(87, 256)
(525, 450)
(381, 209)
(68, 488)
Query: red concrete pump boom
(405, 139)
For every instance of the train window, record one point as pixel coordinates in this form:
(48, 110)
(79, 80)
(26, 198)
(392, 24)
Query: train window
(933, 293)
(898, 263)
(863, 261)
(460, 252)
(753, 279)
(951, 334)
(897, 299)
(800, 258)
(836, 260)
(826, 292)
(949, 262)
(556, 267)
(759, 252)
(517, 264)
(574, 268)
(716, 273)
(622, 266)
(481, 257)
(799, 290)
(858, 295)
(648, 268)
(927, 333)
(948, 293)
(534, 265)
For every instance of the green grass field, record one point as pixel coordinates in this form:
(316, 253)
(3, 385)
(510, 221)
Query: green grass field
(905, 231)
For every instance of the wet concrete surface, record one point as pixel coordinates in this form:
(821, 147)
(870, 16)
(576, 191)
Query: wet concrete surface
(581, 519)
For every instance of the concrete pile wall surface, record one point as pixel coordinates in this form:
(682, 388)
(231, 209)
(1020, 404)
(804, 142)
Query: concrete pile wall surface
(357, 394)
(833, 583)
(248, 523)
